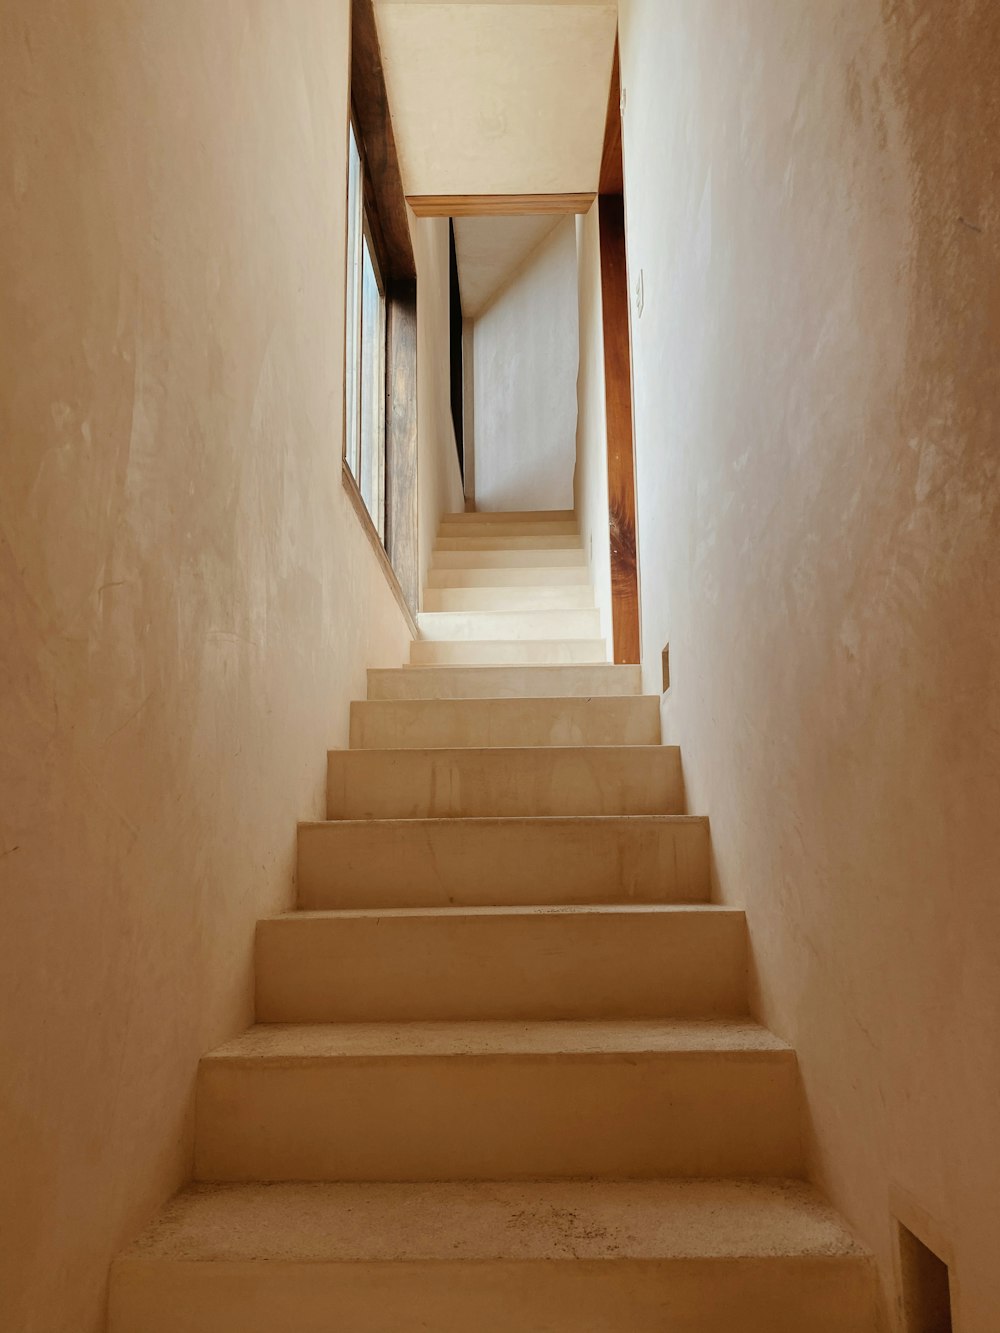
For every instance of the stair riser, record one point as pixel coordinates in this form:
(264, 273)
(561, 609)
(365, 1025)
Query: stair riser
(503, 682)
(686, 964)
(780, 1295)
(514, 652)
(502, 863)
(573, 576)
(463, 723)
(463, 625)
(464, 783)
(496, 1118)
(509, 599)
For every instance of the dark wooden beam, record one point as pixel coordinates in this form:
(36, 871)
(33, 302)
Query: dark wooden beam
(618, 401)
(371, 112)
(612, 173)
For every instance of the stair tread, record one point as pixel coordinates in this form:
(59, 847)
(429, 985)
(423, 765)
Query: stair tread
(529, 910)
(474, 516)
(454, 1222)
(294, 1043)
(509, 703)
(462, 826)
(556, 667)
(544, 753)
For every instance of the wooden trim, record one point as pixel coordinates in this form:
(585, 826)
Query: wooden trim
(497, 205)
(371, 111)
(618, 402)
(371, 532)
(612, 167)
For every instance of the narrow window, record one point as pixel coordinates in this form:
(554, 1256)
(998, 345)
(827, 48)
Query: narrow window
(365, 346)
(926, 1286)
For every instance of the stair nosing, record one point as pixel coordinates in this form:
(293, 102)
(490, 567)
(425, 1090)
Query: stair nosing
(239, 1052)
(790, 1201)
(535, 820)
(456, 912)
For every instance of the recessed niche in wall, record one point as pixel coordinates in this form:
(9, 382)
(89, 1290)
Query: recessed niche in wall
(926, 1286)
(666, 668)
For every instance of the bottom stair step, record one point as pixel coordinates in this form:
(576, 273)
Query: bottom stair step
(498, 1101)
(571, 1257)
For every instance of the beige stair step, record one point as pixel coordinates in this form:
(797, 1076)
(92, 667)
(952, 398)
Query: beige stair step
(512, 652)
(515, 963)
(518, 527)
(562, 1256)
(502, 862)
(498, 1101)
(490, 541)
(486, 518)
(461, 625)
(484, 782)
(512, 682)
(511, 576)
(382, 724)
(579, 598)
(508, 558)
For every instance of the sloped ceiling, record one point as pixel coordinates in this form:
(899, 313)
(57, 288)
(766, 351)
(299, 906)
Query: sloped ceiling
(497, 96)
(491, 250)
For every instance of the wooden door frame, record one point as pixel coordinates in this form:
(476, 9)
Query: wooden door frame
(622, 532)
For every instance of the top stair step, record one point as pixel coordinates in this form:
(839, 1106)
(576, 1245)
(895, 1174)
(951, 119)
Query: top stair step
(485, 518)
(494, 557)
(506, 528)
(489, 541)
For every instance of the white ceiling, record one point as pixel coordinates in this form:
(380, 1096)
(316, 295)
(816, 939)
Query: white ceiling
(498, 96)
(491, 250)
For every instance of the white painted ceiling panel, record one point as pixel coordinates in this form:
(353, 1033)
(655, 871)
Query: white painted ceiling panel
(497, 96)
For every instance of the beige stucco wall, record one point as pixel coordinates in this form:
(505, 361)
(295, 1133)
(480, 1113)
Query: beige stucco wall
(814, 203)
(187, 599)
(590, 478)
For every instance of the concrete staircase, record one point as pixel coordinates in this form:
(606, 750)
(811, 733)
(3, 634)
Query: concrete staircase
(504, 1076)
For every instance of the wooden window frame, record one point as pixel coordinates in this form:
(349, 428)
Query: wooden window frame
(370, 236)
(384, 207)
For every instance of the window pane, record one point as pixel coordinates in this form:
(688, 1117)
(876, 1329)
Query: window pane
(352, 358)
(372, 390)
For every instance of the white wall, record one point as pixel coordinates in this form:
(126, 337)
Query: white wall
(526, 357)
(590, 482)
(813, 197)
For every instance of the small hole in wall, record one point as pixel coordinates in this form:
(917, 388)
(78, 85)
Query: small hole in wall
(926, 1286)
(666, 668)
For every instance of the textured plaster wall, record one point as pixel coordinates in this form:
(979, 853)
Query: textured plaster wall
(814, 201)
(590, 480)
(439, 476)
(526, 358)
(187, 600)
